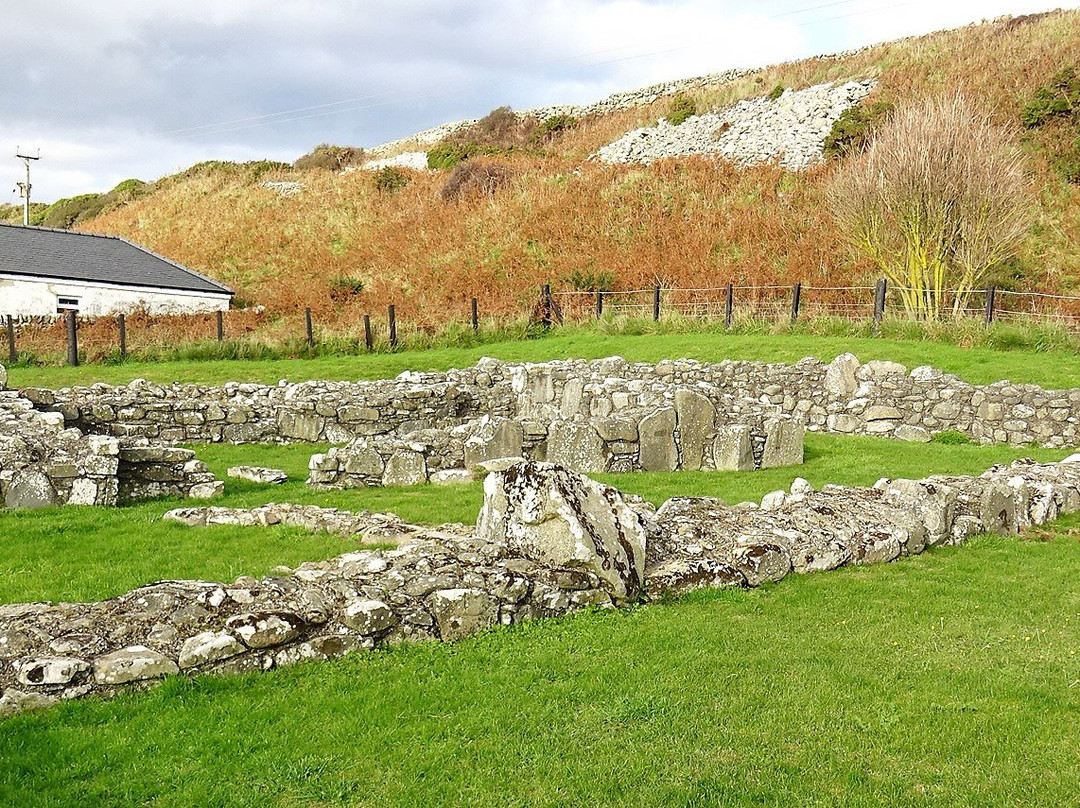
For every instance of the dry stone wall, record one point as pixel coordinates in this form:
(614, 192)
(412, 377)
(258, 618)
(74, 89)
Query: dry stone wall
(44, 463)
(843, 396)
(547, 541)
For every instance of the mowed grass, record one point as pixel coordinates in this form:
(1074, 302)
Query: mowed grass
(950, 678)
(77, 554)
(1051, 368)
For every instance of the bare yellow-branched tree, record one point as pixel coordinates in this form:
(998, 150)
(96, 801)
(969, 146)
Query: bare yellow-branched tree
(937, 200)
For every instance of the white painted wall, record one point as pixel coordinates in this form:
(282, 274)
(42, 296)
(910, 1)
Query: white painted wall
(27, 297)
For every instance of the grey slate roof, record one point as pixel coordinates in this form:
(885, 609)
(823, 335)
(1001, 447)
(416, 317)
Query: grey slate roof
(42, 252)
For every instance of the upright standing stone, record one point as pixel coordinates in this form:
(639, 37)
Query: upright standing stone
(656, 441)
(733, 449)
(576, 445)
(840, 378)
(696, 419)
(784, 439)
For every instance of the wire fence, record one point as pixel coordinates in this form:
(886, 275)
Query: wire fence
(113, 337)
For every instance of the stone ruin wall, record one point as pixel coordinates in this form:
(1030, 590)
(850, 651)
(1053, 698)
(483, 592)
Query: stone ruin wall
(547, 542)
(43, 462)
(844, 396)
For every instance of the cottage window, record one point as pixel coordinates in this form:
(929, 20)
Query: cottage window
(66, 304)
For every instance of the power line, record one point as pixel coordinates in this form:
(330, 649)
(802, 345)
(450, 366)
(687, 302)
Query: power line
(375, 100)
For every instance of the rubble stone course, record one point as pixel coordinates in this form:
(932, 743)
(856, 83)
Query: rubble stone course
(42, 463)
(842, 396)
(548, 541)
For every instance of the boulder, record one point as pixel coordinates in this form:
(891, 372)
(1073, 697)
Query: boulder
(784, 439)
(31, 489)
(933, 504)
(656, 435)
(733, 449)
(461, 613)
(577, 446)
(258, 474)
(565, 520)
(132, 664)
(405, 467)
(493, 438)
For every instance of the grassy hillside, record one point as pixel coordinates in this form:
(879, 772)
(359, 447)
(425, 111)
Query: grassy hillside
(344, 245)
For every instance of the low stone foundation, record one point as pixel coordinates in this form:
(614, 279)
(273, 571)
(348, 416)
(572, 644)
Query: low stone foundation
(548, 541)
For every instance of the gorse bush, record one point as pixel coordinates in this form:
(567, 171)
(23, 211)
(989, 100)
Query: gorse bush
(390, 179)
(1060, 98)
(681, 107)
(853, 129)
(775, 92)
(551, 127)
(345, 288)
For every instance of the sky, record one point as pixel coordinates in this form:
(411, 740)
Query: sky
(105, 90)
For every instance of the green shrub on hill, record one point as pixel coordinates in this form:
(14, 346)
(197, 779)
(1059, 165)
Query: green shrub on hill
(854, 128)
(681, 107)
(1060, 98)
(390, 179)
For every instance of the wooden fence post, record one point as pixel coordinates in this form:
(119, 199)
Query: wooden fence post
(656, 305)
(121, 326)
(879, 302)
(72, 339)
(990, 294)
(309, 329)
(599, 303)
(369, 343)
(13, 355)
(729, 305)
(546, 315)
(796, 298)
(475, 313)
(392, 317)
(220, 325)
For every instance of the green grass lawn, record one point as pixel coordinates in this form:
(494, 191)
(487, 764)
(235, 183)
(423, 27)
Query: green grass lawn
(92, 553)
(980, 365)
(950, 678)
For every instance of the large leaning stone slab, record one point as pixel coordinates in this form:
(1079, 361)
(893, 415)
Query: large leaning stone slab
(656, 435)
(132, 664)
(696, 418)
(565, 520)
(301, 426)
(577, 446)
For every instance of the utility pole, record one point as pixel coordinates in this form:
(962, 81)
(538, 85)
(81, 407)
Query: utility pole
(24, 187)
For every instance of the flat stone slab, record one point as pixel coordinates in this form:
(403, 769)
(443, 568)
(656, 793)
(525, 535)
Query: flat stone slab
(258, 474)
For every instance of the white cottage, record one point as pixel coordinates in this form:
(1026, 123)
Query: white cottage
(47, 272)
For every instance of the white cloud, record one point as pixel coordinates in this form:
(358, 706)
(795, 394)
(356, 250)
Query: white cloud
(131, 88)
